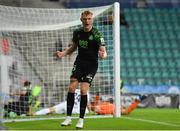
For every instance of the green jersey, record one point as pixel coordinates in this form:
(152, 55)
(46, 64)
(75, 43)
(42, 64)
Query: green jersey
(88, 44)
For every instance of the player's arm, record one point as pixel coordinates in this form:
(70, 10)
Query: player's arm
(67, 51)
(102, 47)
(102, 52)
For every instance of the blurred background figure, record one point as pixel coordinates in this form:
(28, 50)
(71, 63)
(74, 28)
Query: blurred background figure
(141, 4)
(20, 107)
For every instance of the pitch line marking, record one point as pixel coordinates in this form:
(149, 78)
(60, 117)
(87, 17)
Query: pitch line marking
(151, 121)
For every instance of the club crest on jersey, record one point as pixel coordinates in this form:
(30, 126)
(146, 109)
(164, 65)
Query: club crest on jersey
(91, 37)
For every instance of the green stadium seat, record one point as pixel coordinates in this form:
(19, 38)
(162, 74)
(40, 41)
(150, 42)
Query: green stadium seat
(146, 63)
(144, 53)
(150, 81)
(171, 63)
(165, 74)
(148, 74)
(150, 44)
(161, 27)
(165, 43)
(124, 74)
(140, 74)
(123, 34)
(125, 44)
(133, 44)
(174, 43)
(156, 73)
(142, 43)
(122, 63)
(169, 26)
(154, 62)
(131, 74)
(127, 53)
(136, 53)
(162, 63)
(158, 44)
(168, 54)
(130, 63)
(137, 62)
(160, 53)
(176, 53)
(137, 26)
(152, 53)
(128, 17)
(151, 17)
(171, 34)
(177, 63)
(173, 73)
(147, 35)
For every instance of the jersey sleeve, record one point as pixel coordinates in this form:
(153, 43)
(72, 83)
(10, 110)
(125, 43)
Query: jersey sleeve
(75, 36)
(99, 38)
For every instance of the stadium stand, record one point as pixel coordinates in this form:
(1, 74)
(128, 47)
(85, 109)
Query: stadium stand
(153, 44)
(124, 3)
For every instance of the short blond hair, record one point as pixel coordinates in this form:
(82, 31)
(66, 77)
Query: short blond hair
(86, 12)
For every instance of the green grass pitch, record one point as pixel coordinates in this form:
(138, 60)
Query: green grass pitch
(139, 119)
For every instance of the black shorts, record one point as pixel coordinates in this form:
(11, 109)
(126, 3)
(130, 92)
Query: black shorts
(84, 71)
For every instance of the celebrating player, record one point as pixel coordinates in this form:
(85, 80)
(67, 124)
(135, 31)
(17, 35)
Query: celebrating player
(90, 44)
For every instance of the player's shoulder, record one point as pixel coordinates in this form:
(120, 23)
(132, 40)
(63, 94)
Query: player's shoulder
(96, 31)
(77, 30)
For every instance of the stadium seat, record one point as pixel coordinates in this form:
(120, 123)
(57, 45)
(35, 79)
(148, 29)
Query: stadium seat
(140, 74)
(154, 63)
(144, 53)
(137, 63)
(130, 63)
(152, 53)
(142, 43)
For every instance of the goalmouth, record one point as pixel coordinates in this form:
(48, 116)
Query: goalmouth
(29, 38)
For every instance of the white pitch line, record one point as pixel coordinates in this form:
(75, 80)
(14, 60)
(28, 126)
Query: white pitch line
(151, 121)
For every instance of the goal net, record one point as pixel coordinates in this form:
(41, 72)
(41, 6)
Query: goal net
(32, 78)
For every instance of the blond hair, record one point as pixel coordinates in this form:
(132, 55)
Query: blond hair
(86, 12)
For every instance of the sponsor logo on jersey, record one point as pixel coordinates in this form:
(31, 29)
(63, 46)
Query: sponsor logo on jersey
(83, 44)
(102, 40)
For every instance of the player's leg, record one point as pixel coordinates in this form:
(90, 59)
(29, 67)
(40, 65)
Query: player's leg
(83, 103)
(86, 80)
(70, 101)
(43, 111)
(135, 103)
(133, 106)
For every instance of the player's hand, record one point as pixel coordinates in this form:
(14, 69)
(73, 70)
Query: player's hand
(102, 54)
(59, 54)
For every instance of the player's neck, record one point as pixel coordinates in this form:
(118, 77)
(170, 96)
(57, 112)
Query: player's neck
(88, 29)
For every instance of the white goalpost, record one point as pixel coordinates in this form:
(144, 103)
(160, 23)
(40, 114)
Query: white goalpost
(116, 38)
(29, 38)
